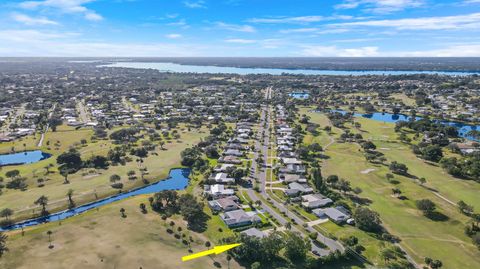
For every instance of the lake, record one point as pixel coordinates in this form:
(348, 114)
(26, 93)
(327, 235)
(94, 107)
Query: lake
(179, 68)
(462, 128)
(177, 180)
(299, 95)
(23, 157)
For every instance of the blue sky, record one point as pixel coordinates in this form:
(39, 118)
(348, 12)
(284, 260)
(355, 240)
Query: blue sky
(348, 28)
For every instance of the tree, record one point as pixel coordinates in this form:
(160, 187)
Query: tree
(368, 145)
(64, 171)
(143, 208)
(114, 178)
(71, 203)
(426, 206)
(49, 233)
(164, 201)
(3, 244)
(192, 211)
(122, 212)
(6, 213)
(70, 159)
(42, 201)
(332, 179)
(256, 265)
(367, 220)
(465, 208)
(387, 254)
(208, 244)
(436, 264)
(317, 179)
(396, 192)
(296, 247)
(229, 258)
(432, 153)
(398, 168)
(12, 174)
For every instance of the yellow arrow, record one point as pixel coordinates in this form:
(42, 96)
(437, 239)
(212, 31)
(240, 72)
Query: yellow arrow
(216, 250)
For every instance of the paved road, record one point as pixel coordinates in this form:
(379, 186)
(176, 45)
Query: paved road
(261, 175)
(46, 128)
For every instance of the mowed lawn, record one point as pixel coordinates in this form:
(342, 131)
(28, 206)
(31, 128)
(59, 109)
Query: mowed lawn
(88, 184)
(103, 239)
(421, 237)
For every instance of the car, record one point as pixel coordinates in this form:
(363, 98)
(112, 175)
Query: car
(351, 221)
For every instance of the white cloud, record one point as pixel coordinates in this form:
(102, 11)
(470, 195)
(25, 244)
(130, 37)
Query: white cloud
(460, 50)
(181, 23)
(64, 6)
(235, 27)
(380, 6)
(173, 36)
(195, 4)
(240, 41)
(315, 30)
(300, 19)
(471, 1)
(27, 20)
(334, 51)
(468, 21)
(40, 43)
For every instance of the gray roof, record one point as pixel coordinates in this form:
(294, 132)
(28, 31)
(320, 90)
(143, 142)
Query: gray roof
(254, 232)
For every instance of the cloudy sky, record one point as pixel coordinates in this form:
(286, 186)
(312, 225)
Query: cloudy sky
(357, 28)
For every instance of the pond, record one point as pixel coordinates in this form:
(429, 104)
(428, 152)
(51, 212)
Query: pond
(177, 180)
(462, 128)
(23, 157)
(299, 95)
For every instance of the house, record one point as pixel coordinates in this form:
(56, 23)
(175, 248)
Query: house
(317, 200)
(229, 159)
(217, 191)
(289, 178)
(254, 232)
(291, 161)
(233, 152)
(293, 169)
(338, 214)
(221, 178)
(223, 168)
(235, 146)
(224, 204)
(239, 218)
(302, 188)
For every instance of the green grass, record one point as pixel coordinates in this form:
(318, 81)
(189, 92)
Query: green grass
(103, 239)
(420, 236)
(84, 184)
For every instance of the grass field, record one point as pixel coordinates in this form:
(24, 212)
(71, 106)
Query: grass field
(103, 239)
(444, 240)
(88, 184)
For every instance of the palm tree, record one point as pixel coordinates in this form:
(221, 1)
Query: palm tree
(49, 239)
(161, 144)
(64, 173)
(5, 213)
(3, 244)
(122, 211)
(42, 201)
(288, 225)
(143, 208)
(71, 203)
(228, 260)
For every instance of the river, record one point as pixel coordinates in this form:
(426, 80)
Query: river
(177, 180)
